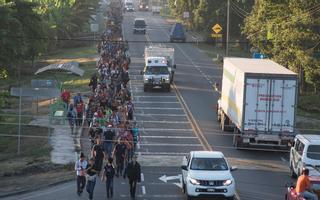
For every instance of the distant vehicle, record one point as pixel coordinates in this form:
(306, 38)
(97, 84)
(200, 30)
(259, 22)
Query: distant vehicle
(258, 101)
(129, 7)
(305, 152)
(177, 33)
(155, 6)
(207, 174)
(143, 5)
(139, 25)
(163, 51)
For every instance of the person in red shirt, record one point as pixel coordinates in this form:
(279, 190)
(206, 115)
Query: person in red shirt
(65, 96)
(80, 109)
(303, 186)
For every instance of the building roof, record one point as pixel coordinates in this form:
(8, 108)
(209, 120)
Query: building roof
(257, 66)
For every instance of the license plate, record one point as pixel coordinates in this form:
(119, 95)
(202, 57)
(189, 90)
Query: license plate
(211, 190)
(246, 140)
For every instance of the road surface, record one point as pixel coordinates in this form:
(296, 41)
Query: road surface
(172, 124)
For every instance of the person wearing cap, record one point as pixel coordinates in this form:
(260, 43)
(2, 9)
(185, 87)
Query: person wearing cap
(80, 167)
(303, 187)
(133, 172)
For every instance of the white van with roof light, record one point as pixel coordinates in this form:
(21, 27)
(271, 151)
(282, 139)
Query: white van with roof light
(305, 153)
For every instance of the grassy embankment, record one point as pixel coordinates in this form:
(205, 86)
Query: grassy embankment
(36, 150)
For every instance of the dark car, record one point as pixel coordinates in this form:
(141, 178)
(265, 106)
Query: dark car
(139, 25)
(177, 33)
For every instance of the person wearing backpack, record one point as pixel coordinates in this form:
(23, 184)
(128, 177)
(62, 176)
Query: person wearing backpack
(108, 175)
(71, 116)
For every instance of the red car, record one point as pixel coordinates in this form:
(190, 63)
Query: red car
(315, 184)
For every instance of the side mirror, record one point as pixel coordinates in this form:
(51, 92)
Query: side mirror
(141, 72)
(184, 167)
(216, 86)
(174, 66)
(233, 168)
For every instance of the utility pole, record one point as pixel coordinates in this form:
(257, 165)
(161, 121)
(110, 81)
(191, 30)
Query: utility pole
(228, 24)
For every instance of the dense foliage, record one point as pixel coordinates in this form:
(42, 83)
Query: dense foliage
(287, 31)
(30, 27)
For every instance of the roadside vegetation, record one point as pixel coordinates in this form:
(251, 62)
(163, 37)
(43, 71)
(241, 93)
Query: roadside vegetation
(286, 31)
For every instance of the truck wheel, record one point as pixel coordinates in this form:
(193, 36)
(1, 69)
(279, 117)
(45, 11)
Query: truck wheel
(237, 141)
(145, 89)
(189, 197)
(230, 198)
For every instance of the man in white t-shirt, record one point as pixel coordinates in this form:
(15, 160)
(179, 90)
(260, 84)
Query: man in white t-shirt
(80, 168)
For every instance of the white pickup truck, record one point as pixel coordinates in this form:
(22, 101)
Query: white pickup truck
(156, 9)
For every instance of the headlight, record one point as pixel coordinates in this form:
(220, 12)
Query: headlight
(227, 182)
(140, 6)
(146, 79)
(147, 7)
(194, 181)
(167, 79)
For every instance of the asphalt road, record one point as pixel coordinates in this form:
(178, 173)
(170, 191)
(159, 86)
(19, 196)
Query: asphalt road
(167, 134)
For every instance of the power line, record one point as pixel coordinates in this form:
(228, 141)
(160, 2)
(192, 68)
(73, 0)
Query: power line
(242, 11)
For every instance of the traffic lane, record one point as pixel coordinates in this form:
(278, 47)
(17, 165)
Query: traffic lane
(262, 185)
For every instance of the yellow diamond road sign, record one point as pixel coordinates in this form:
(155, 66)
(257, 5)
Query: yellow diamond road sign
(217, 28)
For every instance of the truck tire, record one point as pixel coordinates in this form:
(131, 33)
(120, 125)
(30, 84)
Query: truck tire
(237, 141)
(169, 88)
(145, 89)
(189, 197)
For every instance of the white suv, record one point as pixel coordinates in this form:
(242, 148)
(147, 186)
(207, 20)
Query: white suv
(305, 153)
(207, 174)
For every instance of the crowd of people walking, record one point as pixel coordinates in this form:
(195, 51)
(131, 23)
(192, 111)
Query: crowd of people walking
(109, 116)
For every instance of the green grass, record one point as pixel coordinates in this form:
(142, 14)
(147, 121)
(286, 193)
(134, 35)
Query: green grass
(212, 51)
(84, 55)
(309, 105)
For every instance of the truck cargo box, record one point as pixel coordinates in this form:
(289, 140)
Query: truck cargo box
(259, 96)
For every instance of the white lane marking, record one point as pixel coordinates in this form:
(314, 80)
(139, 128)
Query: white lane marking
(156, 108)
(167, 129)
(166, 122)
(158, 102)
(168, 96)
(157, 114)
(143, 190)
(169, 137)
(142, 177)
(170, 144)
(283, 159)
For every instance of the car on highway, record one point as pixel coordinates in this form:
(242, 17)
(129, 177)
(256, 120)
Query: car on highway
(130, 8)
(139, 25)
(207, 174)
(177, 33)
(315, 187)
(305, 152)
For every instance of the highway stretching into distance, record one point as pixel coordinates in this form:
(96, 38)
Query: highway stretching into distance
(173, 124)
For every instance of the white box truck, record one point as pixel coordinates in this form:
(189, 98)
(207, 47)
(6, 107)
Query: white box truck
(258, 100)
(159, 67)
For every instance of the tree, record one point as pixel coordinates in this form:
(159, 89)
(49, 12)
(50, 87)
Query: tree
(284, 31)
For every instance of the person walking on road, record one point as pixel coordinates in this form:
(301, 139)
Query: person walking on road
(109, 135)
(303, 186)
(98, 154)
(71, 115)
(91, 177)
(80, 168)
(133, 172)
(108, 175)
(120, 153)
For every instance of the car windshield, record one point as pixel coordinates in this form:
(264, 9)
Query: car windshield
(157, 70)
(314, 152)
(140, 23)
(129, 4)
(212, 164)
